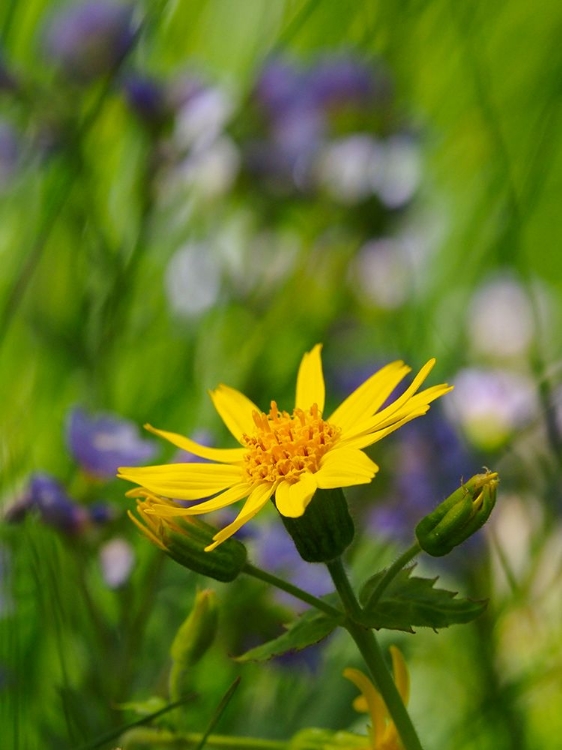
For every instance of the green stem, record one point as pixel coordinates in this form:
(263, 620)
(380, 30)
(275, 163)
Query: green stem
(254, 743)
(304, 596)
(150, 737)
(374, 658)
(393, 570)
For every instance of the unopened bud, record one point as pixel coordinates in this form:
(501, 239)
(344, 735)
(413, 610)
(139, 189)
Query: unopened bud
(459, 516)
(184, 538)
(192, 640)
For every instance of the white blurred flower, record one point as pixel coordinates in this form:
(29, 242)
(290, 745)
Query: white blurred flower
(193, 279)
(353, 168)
(349, 168)
(400, 176)
(210, 171)
(382, 273)
(202, 119)
(117, 559)
(500, 319)
(491, 404)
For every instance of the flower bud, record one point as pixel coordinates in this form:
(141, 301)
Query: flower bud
(192, 640)
(325, 529)
(459, 516)
(184, 538)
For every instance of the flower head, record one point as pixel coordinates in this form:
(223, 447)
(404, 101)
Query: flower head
(287, 456)
(382, 733)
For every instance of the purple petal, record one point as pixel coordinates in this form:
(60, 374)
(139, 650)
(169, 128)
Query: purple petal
(90, 39)
(102, 443)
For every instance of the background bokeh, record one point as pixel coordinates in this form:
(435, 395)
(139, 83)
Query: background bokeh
(198, 192)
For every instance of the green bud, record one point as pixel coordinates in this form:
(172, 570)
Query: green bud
(325, 529)
(198, 630)
(465, 511)
(184, 538)
(192, 640)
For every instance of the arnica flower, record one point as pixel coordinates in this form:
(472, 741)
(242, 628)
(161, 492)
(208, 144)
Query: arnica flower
(383, 734)
(287, 456)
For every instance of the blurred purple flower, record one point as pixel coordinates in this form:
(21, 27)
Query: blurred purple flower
(275, 551)
(90, 39)
(10, 153)
(299, 107)
(344, 80)
(279, 87)
(8, 81)
(104, 442)
(47, 496)
(147, 98)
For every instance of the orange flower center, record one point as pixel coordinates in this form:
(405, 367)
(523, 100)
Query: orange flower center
(285, 445)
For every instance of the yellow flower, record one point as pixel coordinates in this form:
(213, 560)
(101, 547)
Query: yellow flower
(382, 733)
(284, 455)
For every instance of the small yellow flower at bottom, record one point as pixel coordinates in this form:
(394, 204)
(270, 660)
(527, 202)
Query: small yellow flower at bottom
(286, 456)
(382, 732)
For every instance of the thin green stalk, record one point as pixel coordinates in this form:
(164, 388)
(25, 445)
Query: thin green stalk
(304, 596)
(191, 740)
(393, 571)
(252, 743)
(374, 658)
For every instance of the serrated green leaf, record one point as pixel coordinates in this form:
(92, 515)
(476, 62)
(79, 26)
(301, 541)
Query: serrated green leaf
(371, 584)
(410, 602)
(309, 628)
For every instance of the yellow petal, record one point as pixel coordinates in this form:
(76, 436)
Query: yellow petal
(373, 700)
(310, 381)
(418, 403)
(259, 497)
(184, 481)
(148, 533)
(345, 467)
(368, 438)
(235, 410)
(232, 495)
(369, 397)
(292, 499)
(222, 455)
(400, 671)
(400, 401)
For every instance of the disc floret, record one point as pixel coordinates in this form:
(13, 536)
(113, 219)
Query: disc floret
(284, 446)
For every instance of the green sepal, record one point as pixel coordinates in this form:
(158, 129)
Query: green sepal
(308, 629)
(325, 530)
(409, 602)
